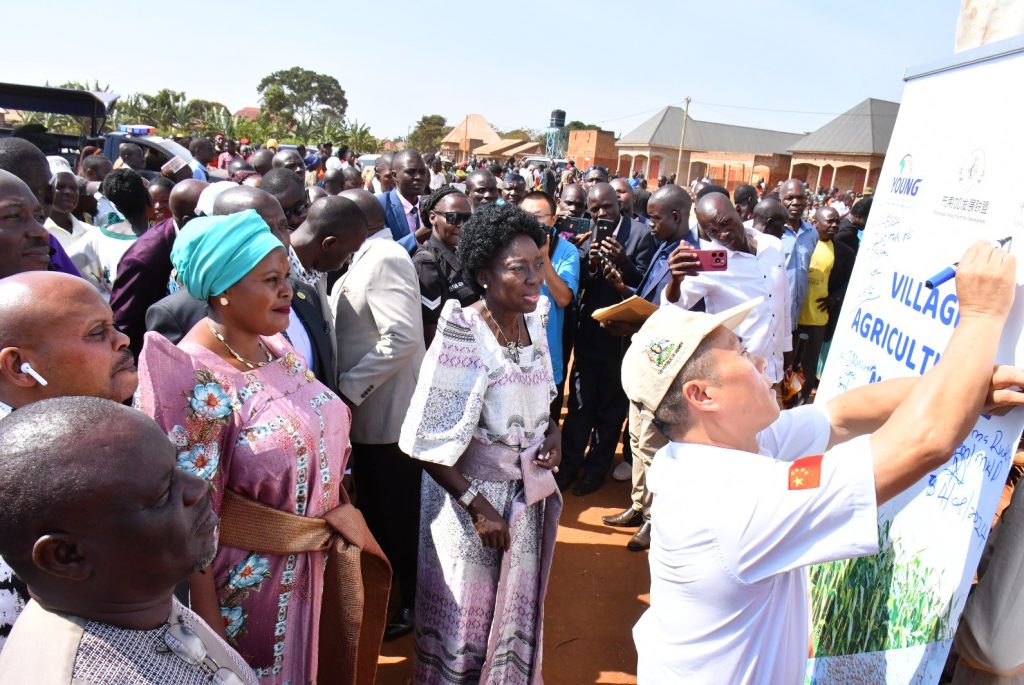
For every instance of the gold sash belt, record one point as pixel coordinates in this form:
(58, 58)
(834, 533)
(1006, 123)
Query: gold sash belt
(357, 580)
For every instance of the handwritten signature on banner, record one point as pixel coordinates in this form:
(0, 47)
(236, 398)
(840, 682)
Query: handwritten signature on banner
(982, 458)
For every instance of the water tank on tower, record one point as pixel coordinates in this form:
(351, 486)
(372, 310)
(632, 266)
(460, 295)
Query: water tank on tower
(556, 135)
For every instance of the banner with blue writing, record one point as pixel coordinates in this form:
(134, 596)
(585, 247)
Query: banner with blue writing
(951, 176)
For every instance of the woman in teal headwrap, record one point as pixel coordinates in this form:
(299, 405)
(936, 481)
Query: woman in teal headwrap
(245, 413)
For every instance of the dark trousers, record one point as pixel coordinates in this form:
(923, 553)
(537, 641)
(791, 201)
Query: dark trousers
(809, 359)
(559, 401)
(597, 408)
(388, 494)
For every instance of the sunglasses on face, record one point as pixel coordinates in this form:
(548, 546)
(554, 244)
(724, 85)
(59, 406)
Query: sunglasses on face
(455, 218)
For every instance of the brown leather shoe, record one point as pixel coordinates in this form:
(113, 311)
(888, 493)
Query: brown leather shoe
(642, 539)
(630, 518)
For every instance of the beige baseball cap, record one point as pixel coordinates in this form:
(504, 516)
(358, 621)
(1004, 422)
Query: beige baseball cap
(663, 345)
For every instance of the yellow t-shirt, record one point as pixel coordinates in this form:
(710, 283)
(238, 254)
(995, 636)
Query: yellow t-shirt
(822, 260)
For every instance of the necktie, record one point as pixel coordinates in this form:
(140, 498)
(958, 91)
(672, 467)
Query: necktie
(659, 256)
(415, 218)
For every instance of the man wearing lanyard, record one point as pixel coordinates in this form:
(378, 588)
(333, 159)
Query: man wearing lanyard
(744, 498)
(669, 212)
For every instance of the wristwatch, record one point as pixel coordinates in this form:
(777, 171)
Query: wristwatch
(468, 496)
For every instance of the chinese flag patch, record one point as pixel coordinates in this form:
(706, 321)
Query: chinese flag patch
(805, 473)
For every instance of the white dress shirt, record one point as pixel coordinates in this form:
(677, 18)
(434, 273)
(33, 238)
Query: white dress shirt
(766, 331)
(734, 533)
(299, 338)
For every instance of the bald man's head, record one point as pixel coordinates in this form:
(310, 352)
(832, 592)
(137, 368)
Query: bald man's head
(794, 199)
(482, 188)
(64, 329)
(668, 211)
(183, 200)
(266, 205)
(27, 162)
(603, 202)
(262, 160)
(370, 207)
(770, 217)
(333, 230)
(721, 222)
(290, 160)
(334, 181)
(97, 517)
(573, 200)
(624, 191)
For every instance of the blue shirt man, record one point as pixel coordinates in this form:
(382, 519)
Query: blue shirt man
(563, 274)
(798, 241)
(566, 262)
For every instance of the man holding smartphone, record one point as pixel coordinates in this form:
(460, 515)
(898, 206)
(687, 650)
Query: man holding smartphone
(756, 268)
(597, 404)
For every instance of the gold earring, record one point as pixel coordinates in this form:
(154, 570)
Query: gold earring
(224, 301)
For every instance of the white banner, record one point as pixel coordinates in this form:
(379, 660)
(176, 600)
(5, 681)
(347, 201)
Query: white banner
(952, 176)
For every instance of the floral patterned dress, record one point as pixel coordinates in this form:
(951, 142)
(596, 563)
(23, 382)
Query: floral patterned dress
(275, 435)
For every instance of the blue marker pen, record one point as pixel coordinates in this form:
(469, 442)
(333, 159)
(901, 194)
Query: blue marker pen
(950, 271)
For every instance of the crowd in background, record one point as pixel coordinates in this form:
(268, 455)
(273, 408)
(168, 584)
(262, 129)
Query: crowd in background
(411, 335)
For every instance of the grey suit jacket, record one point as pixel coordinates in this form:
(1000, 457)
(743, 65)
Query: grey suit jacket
(379, 326)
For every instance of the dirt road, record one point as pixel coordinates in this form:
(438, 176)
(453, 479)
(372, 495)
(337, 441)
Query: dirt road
(598, 590)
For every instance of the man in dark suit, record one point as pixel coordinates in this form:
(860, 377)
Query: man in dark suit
(669, 212)
(597, 404)
(144, 271)
(853, 223)
(401, 204)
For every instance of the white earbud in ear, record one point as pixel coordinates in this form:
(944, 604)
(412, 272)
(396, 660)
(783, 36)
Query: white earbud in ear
(27, 368)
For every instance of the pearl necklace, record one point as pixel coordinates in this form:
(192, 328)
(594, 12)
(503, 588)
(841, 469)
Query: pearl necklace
(258, 365)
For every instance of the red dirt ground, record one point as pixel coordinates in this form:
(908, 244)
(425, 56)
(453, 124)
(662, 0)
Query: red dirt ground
(597, 591)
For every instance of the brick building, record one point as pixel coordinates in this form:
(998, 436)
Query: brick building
(727, 154)
(587, 148)
(847, 152)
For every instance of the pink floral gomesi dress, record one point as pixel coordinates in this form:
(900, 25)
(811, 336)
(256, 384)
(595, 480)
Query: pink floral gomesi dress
(276, 435)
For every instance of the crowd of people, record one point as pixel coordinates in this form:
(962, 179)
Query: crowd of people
(349, 378)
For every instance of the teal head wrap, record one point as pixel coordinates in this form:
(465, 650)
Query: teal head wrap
(212, 253)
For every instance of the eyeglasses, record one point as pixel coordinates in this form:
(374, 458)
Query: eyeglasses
(455, 218)
(184, 643)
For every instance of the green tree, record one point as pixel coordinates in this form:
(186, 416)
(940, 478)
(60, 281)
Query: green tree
(359, 138)
(427, 134)
(299, 95)
(580, 126)
(523, 134)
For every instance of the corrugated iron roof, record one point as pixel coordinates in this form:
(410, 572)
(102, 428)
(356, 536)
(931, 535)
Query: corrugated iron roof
(663, 129)
(865, 129)
(498, 147)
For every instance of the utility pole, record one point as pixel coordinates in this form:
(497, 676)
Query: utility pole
(682, 136)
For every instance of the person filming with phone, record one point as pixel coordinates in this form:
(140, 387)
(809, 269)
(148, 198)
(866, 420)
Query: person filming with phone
(755, 267)
(597, 405)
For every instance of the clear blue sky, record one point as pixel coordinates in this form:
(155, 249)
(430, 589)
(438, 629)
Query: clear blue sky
(790, 65)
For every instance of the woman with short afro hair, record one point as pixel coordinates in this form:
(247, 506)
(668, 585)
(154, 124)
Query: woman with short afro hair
(479, 422)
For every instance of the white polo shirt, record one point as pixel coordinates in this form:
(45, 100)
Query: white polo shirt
(767, 331)
(733, 533)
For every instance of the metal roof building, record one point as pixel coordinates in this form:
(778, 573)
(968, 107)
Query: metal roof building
(847, 152)
(725, 153)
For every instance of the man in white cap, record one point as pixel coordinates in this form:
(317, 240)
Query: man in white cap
(744, 499)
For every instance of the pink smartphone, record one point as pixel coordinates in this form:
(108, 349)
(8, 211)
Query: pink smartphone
(712, 260)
